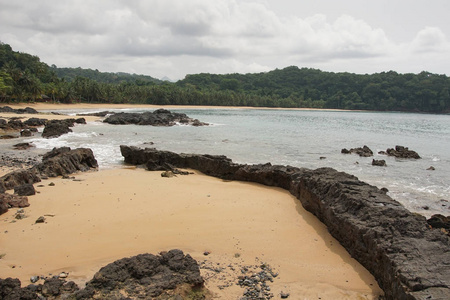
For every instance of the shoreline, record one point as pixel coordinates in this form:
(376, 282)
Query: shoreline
(238, 223)
(63, 106)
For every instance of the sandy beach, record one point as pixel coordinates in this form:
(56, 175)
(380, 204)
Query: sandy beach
(103, 216)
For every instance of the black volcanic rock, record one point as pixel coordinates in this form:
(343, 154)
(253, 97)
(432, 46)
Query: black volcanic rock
(26, 110)
(401, 152)
(160, 117)
(144, 276)
(363, 152)
(58, 162)
(409, 259)
(56, 128)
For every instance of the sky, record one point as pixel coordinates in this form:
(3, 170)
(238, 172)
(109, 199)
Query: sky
(173, 38)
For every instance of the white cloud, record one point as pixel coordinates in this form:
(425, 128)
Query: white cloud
(173, 37)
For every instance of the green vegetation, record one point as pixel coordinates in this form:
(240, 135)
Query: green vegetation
(24, 78)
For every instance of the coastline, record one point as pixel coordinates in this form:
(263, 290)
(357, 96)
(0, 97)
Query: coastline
(111, 214)
(115, 213)
(105, 106)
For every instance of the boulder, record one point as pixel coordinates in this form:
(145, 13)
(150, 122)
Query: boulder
(64, 161)
(160, 117)
(14, 201)
(407, 257)
(363, 152)
(56, 128)
(379, 162)
(439, 221)
(24, 190)
(25, 133)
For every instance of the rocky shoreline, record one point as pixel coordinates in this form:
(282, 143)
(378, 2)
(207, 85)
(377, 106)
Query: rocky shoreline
(169, 275)
(409, 258)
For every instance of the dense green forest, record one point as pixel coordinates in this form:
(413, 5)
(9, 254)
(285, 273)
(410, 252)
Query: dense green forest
(23, 77)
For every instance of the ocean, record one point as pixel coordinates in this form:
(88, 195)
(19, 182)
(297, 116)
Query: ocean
(300, 138)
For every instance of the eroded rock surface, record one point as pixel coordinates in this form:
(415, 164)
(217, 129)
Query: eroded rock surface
(170, 275)
(409, 259)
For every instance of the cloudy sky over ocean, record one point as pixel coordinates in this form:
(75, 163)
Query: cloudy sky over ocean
(173, 37)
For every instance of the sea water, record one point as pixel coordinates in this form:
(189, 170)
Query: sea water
(300, 138)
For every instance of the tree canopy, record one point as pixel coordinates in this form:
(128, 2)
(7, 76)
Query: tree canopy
(23, 77)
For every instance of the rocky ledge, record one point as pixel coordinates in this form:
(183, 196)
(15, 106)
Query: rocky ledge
(170, 275)
(58, 162)
(160, 117)
(409, 258)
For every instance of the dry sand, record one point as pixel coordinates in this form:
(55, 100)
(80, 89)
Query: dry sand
(104, 216)
(107, 215)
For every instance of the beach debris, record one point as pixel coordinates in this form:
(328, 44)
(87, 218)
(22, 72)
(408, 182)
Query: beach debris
(63, 275)
(284, 295)
(41, 219)
(363, 152)
(379, 162)
(322, 157)
(34, 279)
(51, 184)
(431, 168)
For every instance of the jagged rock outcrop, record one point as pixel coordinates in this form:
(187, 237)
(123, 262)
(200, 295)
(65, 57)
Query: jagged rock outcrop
(363, 152)
(56, 128)
(401, 152)
(170, 275)
(160, 117)
(409, 259)
(58, 162)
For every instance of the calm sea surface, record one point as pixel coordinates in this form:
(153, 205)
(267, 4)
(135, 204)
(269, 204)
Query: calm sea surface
(297, 138)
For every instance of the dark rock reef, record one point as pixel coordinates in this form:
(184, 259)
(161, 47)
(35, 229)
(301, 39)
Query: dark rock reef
(170, 275)
(58, 162)
(160, 117)
(363, 152)
(26, 110)
(401, 152)
(409, 259)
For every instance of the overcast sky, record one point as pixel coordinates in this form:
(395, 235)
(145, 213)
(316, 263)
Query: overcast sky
(177, 37)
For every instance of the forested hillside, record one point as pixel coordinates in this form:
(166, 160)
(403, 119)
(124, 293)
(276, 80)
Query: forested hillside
(23, 77)
(70, 74)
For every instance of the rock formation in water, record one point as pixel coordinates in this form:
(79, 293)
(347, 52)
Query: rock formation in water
(409, 259)
(363, 152)
(401, 152)
(56, 128)
(170, 275)
(160, 117)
